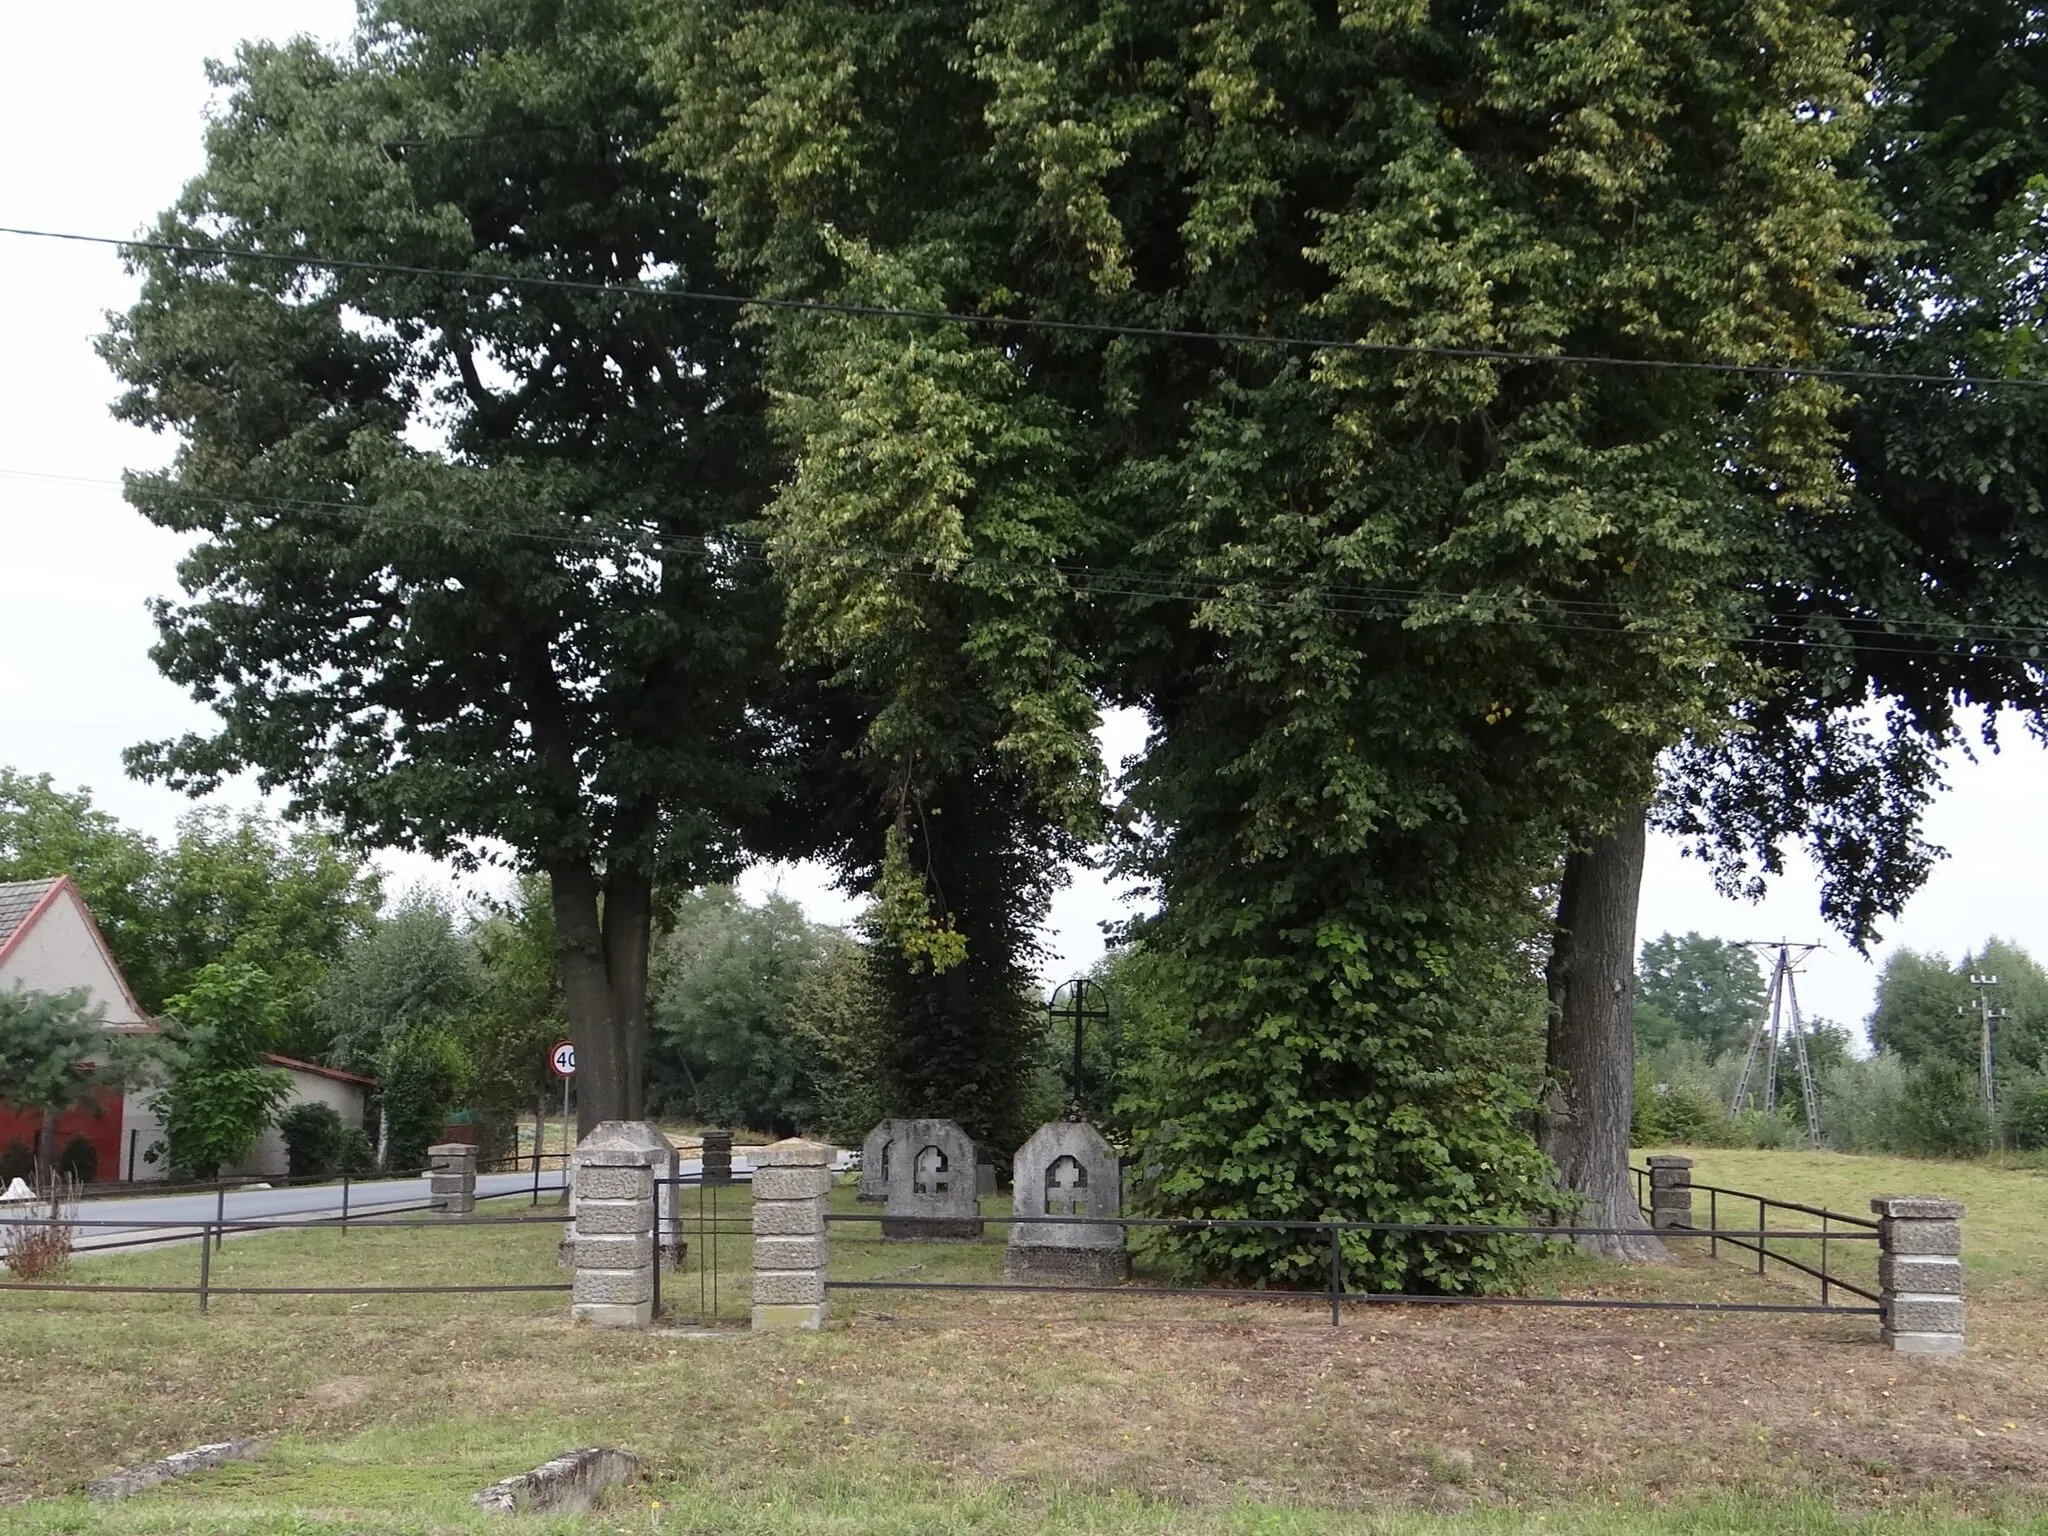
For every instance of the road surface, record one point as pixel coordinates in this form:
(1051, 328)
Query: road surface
(366, 1197)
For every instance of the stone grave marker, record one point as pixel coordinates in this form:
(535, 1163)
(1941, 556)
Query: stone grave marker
(875, 1153)
(1066, 1169)
(930, 1196)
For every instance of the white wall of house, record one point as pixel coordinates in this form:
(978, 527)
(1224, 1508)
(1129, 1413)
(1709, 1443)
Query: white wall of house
(346, 1099)
(61, 951)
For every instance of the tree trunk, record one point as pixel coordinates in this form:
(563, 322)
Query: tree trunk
(1590, 1057)
(605, 947)
(46, 1147)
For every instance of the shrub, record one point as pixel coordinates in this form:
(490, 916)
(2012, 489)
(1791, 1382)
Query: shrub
(37, 1252)
(354, 1156)
(2026, 1118)
(79, 1160)
(17, 1162)
(312, 1137)
(1943, 1114)
(1863, 1103)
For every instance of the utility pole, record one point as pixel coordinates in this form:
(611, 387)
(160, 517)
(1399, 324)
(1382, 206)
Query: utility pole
(1987, 1045)
(1781, 1017)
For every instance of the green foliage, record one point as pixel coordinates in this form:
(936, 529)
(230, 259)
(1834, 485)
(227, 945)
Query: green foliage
(1699, 989)
(219, 1095)
(422, 1074)
(516, 1012)
(45, 832)
(354, 1156)
(837, 1023)
(412, 969)
(2024, 1116)
(526, 623)
(1942, 1114)
(237, 889)
(1380, 706)
(48, 1045)
(312, 1140)
(1926, 1009)
(725, 983)
(240, 890)
(1863, 1104)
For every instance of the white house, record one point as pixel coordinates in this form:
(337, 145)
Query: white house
(50, 943)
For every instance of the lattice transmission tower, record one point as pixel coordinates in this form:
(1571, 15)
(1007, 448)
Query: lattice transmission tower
(1780, 1018)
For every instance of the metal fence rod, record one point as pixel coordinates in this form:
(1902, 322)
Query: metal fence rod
(1823, 1261)
(1336, 1279)
(220, 1210)
(1761, 1251)
(1714, 1222)
(205, 1268)
(1206, 1224)
(1371, 1298)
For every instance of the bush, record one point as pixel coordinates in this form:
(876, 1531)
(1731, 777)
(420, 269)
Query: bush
(354, 1156)
(17, 1162)
(312, 1137)
(1943, 1114)
(2026, 1118)
(421, 1073)
(79, 1160)
(43, 1251)
(1863, 1104)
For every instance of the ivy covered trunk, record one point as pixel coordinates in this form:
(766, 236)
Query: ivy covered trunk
(1590, 1055)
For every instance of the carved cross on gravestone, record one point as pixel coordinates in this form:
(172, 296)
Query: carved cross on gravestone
(932, 1176)
(1066, 1188)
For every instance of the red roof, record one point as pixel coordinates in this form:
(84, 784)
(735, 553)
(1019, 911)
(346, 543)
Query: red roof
(317, 1070)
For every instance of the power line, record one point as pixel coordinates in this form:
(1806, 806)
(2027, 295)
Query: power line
(1386, 600)
(1779, 371)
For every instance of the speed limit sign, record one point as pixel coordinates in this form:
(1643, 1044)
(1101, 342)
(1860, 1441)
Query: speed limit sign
(563, 1059)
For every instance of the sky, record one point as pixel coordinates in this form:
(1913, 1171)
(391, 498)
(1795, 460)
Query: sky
(99, 150)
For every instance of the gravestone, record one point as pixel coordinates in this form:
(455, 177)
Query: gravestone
(874, 1162)
(1066, 1169)
(930, 1196)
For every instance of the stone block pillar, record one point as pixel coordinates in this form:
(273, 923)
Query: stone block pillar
(791, 1182)
(1920, 1273)
(451, 1180)
(611, 1239)
(1670, 1191)
(717, 1157)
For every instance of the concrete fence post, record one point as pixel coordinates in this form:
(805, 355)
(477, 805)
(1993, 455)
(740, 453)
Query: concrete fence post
(791, 1182)
(611, 1239)
(1920, 1273)
(1670, 1191)
(451, 1180)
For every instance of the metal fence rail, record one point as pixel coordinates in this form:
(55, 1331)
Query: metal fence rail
(1835, 1227)
(1336, 1292)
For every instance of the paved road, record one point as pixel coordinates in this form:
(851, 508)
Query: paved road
(365, 1197)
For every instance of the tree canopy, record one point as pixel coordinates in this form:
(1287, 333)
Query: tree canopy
(1705, 990)
(462, 575)
(1405, 624)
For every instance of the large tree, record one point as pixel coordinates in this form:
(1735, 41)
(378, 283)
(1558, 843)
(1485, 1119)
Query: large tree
(464, 578)
(1409, 627)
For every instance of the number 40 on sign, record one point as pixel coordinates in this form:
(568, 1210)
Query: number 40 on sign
(563, 1059)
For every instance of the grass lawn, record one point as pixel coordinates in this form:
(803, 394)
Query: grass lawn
(1008, 1414)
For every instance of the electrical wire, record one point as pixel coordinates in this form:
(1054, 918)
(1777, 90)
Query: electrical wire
(1379, 601)
(1783, 372)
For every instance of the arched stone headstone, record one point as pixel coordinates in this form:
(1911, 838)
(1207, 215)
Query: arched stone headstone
(1066, 1169)
(931, 1189)
(875, 1154)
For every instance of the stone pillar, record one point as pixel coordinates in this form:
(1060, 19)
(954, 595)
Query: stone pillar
(1670, 1191)
(611, 1239)
(452, 1180)
(1920, 1273)
(791, 1182)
